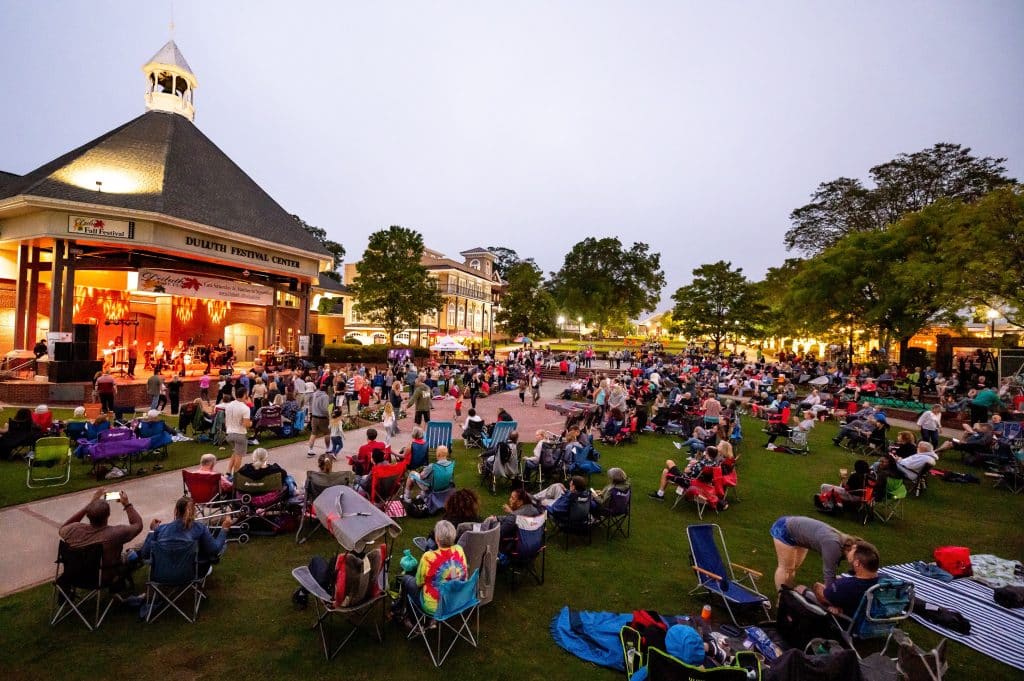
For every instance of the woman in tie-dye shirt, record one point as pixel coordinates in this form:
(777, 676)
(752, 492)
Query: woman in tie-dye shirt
(447, 563)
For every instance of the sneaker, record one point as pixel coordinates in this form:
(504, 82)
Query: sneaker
(134, 601)
(656, 496)
(422, 543)
(254, 442)
(311, 453)
(770, 448)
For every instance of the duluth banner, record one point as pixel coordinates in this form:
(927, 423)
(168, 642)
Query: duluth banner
(192, 286)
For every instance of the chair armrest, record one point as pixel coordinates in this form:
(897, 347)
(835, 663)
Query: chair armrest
(305, 579)
(708, 573)
(749, 571)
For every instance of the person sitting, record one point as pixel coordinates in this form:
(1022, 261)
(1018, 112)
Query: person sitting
(259, 467)
(416, 454)
(462, 510)
(116, 573)
(904, 445)
(977, 447)
(506, 454)
(158, 432)
(21, 431)
(371, 453)
(855, 431)
(613, 425)
(444, 564)
(617, 480)
(911, 467)
(520, 503)
(697, 440)
(378, 455)
(473, 429)
(434, 477)
(184, 528)
(844, 594)
(43, 418)
(75, 427)
(558, 500)
(691, 479)
(835, 497)
(804, 425)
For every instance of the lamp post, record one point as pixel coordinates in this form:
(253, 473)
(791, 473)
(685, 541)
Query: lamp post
(561, 326)
(992, 315)
(579, 321)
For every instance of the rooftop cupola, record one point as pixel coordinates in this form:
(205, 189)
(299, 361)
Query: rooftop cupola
(170, 83)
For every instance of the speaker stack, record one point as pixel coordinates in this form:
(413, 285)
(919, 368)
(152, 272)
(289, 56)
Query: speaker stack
(85, 338)
(316, 344)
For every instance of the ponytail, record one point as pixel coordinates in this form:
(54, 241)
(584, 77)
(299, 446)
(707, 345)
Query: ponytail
(185, 511)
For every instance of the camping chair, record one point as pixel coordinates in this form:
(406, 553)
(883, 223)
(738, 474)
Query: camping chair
(530, 544)
(53, 455)
(317, 482)
(500, 433)
(456, 607)
(882, 607)
(914, 663)
(481, 549)
(883, 505)
(551, 466)
(715, 576)
(661, 666)
(438, 433)
(79, 580)
(618, 513)
(1011, 474)
(796, 442)
(579, 521)
(158, 436)
(698, 498)
(504, 465)
(918, 485)
(268, 418)
(204, 489)
(473, 436)
(175, 576)
(370, 591)
(386, 483)
(75, 430)
(262, 501)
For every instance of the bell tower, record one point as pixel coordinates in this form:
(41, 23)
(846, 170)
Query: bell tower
(170, 83)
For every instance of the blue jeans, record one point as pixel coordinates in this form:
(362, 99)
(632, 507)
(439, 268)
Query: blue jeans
(337, 442)
(154, 401)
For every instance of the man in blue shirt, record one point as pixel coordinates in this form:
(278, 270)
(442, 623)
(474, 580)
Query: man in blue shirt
(844, 594)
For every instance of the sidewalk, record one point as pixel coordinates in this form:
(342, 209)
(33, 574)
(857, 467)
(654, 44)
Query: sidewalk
(30, 530)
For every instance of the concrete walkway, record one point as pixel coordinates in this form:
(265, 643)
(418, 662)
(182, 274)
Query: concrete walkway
(30, 530)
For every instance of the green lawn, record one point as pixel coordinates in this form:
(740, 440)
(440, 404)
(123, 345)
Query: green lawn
(180, 455)
(250, 628)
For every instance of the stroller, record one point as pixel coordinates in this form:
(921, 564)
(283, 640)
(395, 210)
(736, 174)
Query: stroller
(264, 506)
(355, 582)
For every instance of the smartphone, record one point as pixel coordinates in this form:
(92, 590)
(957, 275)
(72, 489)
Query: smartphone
(112, 496)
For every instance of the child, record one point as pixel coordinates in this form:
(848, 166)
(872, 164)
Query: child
(337, 433)
(458, 405)
(388, 422)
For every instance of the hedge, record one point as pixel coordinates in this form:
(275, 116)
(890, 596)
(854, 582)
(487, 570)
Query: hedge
(354, 352)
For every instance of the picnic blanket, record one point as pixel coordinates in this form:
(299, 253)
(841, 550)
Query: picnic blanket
(593, 636)
(995, 631)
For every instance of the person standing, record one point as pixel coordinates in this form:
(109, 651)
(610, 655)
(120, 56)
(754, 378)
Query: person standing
(930, 423)
(319, 417)
(236, 423)
(174, 393)
(133, 358)
(106, 390)
(154, 386)
(420, 401)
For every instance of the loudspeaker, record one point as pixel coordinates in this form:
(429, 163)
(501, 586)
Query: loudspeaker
(63, 352)
(74, 371)
(83, 351)
(316, 344)
(86, 333)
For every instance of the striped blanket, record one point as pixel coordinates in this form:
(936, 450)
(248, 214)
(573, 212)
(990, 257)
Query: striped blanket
(995, 631)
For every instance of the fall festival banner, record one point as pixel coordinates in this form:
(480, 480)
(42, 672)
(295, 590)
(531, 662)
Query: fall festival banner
(210, 288)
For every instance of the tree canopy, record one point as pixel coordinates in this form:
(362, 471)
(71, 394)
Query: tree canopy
(504, 259)
(711, 306)
(393, 289)
(908, 183)
(527, 307)
(605, 283)
(336, 249)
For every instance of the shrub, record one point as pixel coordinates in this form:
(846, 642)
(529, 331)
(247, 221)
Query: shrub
(355, 352)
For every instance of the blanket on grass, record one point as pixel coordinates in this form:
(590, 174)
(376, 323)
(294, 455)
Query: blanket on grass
(593, 636)
(995, 631)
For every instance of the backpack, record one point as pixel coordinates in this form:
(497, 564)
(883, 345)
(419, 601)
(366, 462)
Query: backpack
(651, 627)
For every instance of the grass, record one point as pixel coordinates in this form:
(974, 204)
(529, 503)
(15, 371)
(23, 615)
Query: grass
(249, 626)
(180, 455)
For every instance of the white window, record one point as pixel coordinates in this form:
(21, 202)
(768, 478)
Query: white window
(475, 264)
(451, 315)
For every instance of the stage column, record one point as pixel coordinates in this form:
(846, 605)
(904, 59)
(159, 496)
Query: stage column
(20, 298)
(67, 307)
(57, 286)
(31, 321)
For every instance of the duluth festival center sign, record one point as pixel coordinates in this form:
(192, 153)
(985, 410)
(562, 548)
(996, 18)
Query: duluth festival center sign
(192, 286)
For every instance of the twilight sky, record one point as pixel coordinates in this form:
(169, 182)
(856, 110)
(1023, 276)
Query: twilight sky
(694, 126)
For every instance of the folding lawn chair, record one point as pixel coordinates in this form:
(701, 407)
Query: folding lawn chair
(78, 581)
(882, 607)
(269, 419)
(438, 433)
(700, 501)
(502, 429)
(796, 442)
(914, 663)
(49, 455)
(176, 580)
(457, 607)
(386, 484)
(473, 436)
(1010, 474)
(481, 549)
(715, 576)
(617, 516)
(316, 483)
(578, 522)
(529, 545)
(883, 505)
(661, 666)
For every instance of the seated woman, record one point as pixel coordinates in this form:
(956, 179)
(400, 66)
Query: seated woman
(74, 427)
(804, 424)
(43, 418)
(260, 467)
(617, 480)
(904, 445)
(416, 453)
(462, 510)
(613, 425)
(21, 431)
(473, 429)
(445, 563)
(435, 477)
(835, 497)
(185, 528)
(158, 432)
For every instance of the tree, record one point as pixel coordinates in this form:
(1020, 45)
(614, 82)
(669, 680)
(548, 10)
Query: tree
(708, 306)
(336, 249)
(527, 307)
(393, 288)
(603, 283)
(908, 183)
(504, 259)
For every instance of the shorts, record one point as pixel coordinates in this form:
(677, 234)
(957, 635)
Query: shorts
(675, 475)
(320, 425)
(239, 443)
(779, 532)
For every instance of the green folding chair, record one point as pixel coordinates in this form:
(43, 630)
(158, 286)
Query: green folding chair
(49, 463)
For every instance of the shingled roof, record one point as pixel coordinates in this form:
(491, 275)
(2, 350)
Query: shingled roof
(7, 178)
(179, 172)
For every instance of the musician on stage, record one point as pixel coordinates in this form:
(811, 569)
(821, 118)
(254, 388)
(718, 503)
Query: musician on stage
(158, 357)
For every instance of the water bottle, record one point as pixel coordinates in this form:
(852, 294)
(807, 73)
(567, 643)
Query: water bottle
(408, 562)
(630, 657)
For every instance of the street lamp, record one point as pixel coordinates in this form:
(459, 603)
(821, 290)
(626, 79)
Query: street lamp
(561, 326)
(579, 321)
(992, 315)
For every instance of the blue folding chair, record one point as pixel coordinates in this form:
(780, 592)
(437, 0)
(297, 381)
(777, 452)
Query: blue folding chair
(501, 431)
(883, 606)
(715, 576)
(438, 433)
(457, 605)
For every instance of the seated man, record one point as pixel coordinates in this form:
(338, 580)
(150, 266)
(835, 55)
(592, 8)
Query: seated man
(377, 455)
(435, 477)
(690, 479)
(617, 480)
(444, 564)
(372, 452)
(856, 430)
(843, 595)
(912, 466)
(207, 464)
(520, 503)
(697, 440)
(184, 528)
(558, 500)
(977, 447)
(116, 571)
